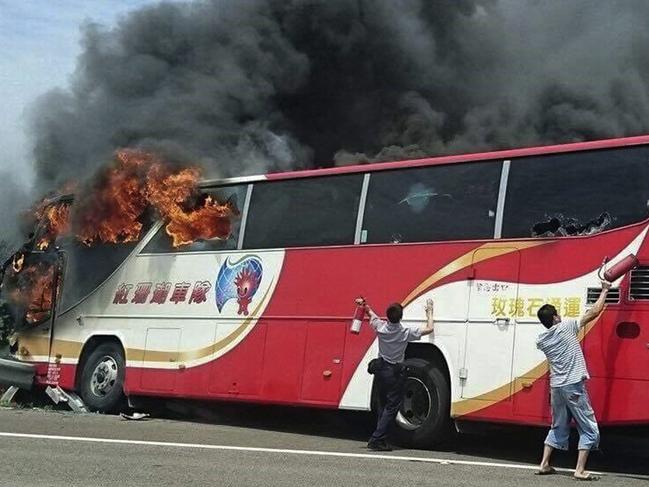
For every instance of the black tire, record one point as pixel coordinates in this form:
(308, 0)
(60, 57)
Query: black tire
(424, 419)
(102, 378)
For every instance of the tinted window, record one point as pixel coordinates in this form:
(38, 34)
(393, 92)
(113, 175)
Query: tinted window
(87, 267)
(577, 194)
(234, 196)
(450, 202)
(304, 212)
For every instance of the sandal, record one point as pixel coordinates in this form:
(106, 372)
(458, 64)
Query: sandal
(549, 471)
(587, 478)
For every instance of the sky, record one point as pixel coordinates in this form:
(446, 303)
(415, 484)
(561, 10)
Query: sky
(39, 45)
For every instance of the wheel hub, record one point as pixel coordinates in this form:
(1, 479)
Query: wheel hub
(104, 376)
(416, 406)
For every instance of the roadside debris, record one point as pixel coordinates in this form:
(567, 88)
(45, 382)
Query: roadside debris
(8, 396)
(135, 416)
(71, 399)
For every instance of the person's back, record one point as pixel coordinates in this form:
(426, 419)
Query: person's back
(393, 339)
(560, 344)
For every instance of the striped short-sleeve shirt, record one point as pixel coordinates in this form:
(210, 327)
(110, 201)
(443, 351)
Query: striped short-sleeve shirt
(561, 347)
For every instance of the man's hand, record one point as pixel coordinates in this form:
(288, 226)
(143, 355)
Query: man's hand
(598, 307)
(360, 301)
(429, 307)
(428, 329)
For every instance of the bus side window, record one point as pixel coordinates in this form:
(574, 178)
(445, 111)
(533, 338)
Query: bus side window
(303, 212)
(233, 196)
(87, 266)
(579, 193)
(448, 202)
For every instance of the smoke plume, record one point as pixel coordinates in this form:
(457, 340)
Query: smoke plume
(252, 86)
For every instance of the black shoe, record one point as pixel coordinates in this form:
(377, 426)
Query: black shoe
(379, 445)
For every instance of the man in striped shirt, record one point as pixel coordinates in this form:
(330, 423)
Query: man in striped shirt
(568, 374)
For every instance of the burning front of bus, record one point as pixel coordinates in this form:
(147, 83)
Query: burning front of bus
(76, 241)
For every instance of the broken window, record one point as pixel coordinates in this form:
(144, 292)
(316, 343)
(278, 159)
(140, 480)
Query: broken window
(446, 202)
(561, 226)
(226, 226)
(579, 193)
(28, 284)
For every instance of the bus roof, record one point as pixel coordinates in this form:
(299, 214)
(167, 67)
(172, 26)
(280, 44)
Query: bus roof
(430, 161)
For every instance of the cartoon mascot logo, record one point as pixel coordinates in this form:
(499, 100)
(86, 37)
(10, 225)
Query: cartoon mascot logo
(238, 280)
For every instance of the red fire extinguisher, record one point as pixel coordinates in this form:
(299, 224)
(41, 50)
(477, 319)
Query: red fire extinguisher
(359, 315)
(619, 269)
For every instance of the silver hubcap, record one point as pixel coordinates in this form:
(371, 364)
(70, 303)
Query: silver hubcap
(104, 376)
(416, 406)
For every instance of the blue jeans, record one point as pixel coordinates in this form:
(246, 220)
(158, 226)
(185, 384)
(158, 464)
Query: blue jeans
(572, 402)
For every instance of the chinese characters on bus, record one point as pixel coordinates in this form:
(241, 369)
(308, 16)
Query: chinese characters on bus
(488, 287)
(162, 292)
(569, 307)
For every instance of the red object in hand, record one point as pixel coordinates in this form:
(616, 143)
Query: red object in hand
(621, 268)
(357, 321)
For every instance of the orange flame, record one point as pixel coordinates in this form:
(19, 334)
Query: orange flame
(170, 193)
(55, 219)
(139, 181)
(34, 291)
(18, 261)
(113, 213)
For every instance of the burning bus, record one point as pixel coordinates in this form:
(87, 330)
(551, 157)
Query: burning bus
(160, 286)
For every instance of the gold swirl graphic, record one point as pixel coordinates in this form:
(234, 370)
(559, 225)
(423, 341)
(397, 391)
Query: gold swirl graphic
(494, 250)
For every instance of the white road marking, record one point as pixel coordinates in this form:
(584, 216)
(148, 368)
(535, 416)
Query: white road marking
(374, 456)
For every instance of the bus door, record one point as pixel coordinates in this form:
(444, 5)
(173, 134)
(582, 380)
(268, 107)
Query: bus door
(493, 301)
(29, 293)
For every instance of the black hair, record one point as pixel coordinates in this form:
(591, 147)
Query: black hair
(546, 314)
(394, 313)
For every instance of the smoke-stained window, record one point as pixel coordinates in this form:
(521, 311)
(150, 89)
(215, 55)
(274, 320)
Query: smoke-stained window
(86, 267)
(448, 202)
(303, 212)
(178, 237)
(579, 193)
(55, 248)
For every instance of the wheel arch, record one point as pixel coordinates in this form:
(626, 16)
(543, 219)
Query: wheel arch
(91, 345)
(437, 356)
(427, 351)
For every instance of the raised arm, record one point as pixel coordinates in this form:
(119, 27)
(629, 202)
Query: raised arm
(598, 307)
(374, 318)
(430, 324)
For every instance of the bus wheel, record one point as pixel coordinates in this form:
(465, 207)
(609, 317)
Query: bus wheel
(102, 378)
(424, 419)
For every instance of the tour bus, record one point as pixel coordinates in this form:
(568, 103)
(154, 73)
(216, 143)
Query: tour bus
(264, 316)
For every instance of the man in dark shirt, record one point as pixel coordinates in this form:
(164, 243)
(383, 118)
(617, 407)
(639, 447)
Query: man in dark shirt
(393, 340)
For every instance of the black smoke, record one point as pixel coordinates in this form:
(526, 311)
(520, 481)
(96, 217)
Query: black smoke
(248, 86)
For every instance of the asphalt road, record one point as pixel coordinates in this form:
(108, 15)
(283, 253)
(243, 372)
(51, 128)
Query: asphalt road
(252, 446)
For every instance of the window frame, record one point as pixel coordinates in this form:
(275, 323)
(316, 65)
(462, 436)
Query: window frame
(567, 153)
(159, 223)
(499, 212)
(364, 175)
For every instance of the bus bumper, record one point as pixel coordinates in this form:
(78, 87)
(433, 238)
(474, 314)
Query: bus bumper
(15, 373)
